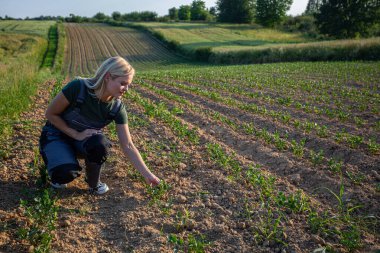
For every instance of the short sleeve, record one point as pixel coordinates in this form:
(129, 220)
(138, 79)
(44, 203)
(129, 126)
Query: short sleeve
(71, 91)
(122, 117)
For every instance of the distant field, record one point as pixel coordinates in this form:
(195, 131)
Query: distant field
(26, 27)
(223, 36)
(89, 44)
(242, 44)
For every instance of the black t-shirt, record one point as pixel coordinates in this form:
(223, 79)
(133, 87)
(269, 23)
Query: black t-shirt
(92, 107)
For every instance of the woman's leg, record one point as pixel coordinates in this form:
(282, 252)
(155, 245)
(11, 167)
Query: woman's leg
(95, 151)
(59, 157)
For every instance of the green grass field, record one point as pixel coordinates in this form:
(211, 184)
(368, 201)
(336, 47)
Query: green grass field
(222, 37)
(40, 28)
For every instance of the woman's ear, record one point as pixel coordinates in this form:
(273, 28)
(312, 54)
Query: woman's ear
(107, 76)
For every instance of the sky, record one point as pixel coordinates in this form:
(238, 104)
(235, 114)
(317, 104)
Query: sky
(88, 8)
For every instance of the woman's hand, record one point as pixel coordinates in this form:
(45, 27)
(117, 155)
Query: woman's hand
(152, 180)
(80, 136)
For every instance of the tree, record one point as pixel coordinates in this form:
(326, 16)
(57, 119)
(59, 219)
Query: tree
(100, 16)
(173, 13)
(116, 16)
(349, 18)
(212, 11)
(235, 11)
(312, 7)
(198, 10)
(184, 12)
(271, 12)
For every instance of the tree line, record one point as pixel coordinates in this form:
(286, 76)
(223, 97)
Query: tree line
(332, 18)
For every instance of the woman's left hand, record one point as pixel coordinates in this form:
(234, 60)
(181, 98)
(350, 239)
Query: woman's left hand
(152, 180)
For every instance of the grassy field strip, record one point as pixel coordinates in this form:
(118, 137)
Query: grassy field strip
(15, 89)
(230, 132)
(234, 167)
(31, 27)
(221, 36)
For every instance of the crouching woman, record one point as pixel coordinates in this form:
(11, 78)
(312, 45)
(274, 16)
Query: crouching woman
(75, 120)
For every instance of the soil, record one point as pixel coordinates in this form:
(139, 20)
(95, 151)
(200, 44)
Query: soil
(215, 206)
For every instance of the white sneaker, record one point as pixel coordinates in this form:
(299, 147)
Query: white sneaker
(58, 185)
(100, 189)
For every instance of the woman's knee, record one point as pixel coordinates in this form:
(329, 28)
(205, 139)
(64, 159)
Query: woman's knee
(97, 148)
(65, 173)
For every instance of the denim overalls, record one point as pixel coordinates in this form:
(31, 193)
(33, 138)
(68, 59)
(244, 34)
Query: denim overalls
(59, 150)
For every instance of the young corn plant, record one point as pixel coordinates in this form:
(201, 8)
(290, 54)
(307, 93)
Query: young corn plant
(354, 141)
(298, 148)
(191, 244)
(269, 228)
(157, 193)
(297, 202)
(373, 146)
(316, 157)
(335, 166)
(182, 220)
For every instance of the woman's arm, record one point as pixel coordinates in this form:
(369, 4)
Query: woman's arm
(53, 112)
(133, 154)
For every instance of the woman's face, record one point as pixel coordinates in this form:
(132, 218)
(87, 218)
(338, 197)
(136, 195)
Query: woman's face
(118, 86)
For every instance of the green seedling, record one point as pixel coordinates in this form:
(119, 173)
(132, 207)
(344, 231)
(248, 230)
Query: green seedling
(335, 166)
(298, 148)
(316, 158)
(158, 192)
(42, 215)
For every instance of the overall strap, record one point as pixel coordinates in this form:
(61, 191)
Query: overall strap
(115, 109)
(82, 94)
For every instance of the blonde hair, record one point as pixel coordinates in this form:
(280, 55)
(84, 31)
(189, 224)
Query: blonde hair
(116, 66)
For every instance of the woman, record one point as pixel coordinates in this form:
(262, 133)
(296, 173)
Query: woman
(76, 117)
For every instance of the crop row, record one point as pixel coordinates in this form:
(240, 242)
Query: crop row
(352, 140)
(274, 203)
